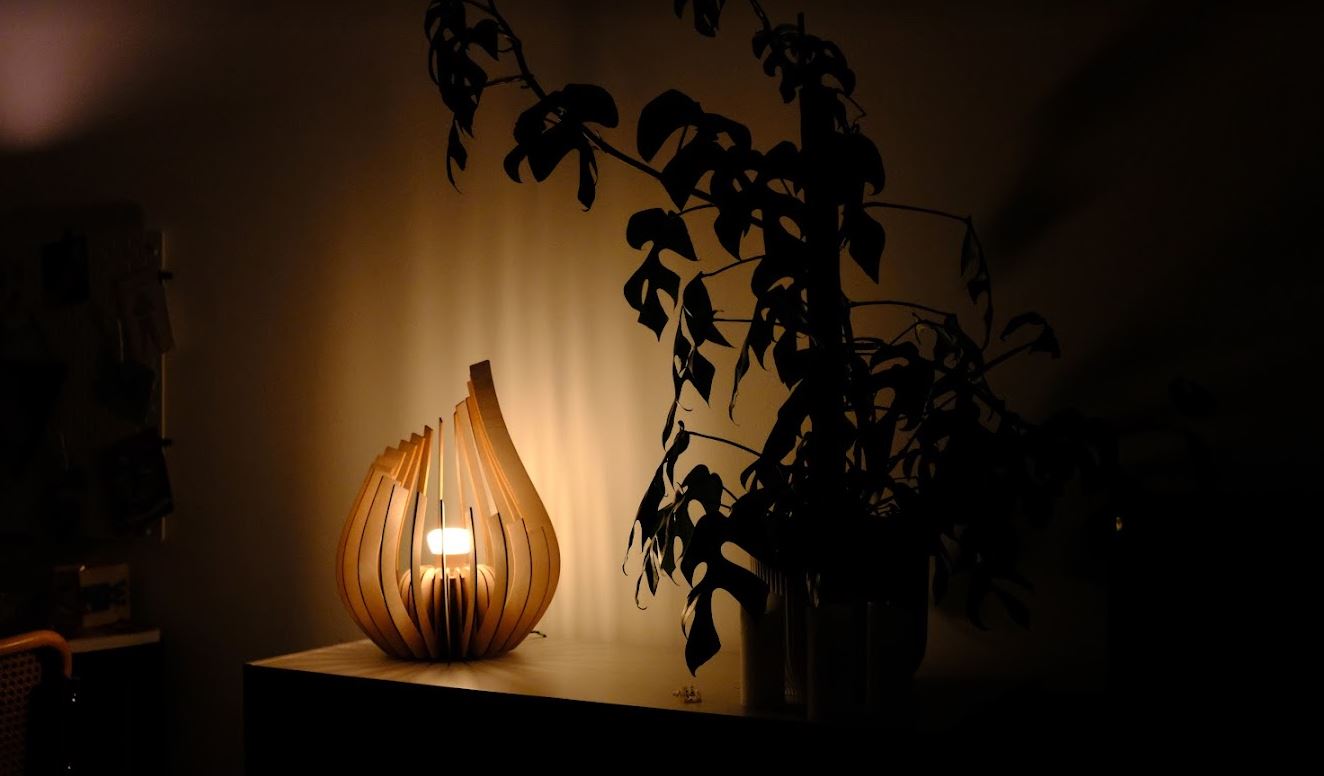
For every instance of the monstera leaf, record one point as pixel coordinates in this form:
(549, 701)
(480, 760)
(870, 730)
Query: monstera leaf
(801, 59)
(712, 531)
(706, 14)
(1044, 342)
(699, 315)
(459, 79)
(555, 126)
(866, 239)
(703, 150)
(644, 289)
(666, 231)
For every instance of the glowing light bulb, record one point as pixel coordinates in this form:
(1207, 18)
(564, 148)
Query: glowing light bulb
(450, 541)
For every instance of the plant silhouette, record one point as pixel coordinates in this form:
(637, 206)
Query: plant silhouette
(890, 448)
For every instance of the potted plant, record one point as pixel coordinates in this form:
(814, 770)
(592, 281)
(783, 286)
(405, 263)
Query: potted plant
(891, 450)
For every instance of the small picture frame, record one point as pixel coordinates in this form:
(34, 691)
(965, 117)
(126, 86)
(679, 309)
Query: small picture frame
(91, 596)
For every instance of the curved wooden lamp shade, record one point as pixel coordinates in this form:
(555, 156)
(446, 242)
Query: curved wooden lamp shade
(463, 596)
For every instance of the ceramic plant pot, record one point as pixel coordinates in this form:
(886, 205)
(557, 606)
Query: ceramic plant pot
(773, 646)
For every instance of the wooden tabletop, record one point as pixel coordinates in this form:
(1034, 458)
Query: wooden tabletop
(113, 637)
(649, 676)
(619, 674)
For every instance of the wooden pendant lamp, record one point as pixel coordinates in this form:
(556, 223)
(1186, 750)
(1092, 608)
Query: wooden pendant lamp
(473, 586)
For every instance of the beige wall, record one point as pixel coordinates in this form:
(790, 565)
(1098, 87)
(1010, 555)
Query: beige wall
(331, 288)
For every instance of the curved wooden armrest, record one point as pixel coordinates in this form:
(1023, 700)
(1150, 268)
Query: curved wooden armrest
(41, 639)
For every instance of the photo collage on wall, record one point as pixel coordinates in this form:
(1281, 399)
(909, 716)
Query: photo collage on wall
(83, 327)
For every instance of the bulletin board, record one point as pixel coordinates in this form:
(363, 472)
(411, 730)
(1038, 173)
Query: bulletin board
(84, 327)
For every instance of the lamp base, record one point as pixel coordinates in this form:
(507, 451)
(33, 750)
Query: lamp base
(450, 597)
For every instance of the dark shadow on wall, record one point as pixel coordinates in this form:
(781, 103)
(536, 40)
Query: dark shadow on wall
(1062, 174)
(1204, 580)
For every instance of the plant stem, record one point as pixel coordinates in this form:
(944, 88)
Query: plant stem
(917, 209)
(918, 322)
(899, 303)
(639, 165)
(509, 79)
(733, 264)
(852, 101)
(763, 16)
(1018, 349)
(979, 247)
(828, 318)
(974, 235)
(649, 170)
(516, 48)
(749, 450)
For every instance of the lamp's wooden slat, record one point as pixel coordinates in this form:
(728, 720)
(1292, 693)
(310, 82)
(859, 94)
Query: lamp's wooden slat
(518, 555)
(344, 539)
(553, 554)
(353, 551)
(539, 583)
(422, 614)
(480, 511)
(470, 590)
(369, 565)
(489, 559)
(402, 498)
(518, 563)
(515, 480)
